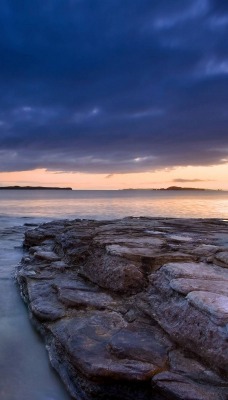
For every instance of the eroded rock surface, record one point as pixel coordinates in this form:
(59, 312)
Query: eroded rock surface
(134, 308)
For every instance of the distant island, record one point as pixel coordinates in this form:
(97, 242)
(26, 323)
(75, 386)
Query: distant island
(182, 188)
(169, 188)
(33, 188)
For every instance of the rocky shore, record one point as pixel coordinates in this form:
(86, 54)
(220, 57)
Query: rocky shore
(132, 309)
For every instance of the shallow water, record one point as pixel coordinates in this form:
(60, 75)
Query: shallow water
(25, 373)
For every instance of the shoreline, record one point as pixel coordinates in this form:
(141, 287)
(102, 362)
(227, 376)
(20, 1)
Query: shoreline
(153, 289)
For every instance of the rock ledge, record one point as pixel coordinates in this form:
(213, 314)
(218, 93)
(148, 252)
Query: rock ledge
(134, 308)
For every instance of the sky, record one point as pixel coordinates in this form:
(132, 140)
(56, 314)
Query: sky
(108, 94)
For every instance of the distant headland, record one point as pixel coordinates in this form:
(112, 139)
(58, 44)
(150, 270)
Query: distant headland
(181, 188)
(169, 188)
(33, 188)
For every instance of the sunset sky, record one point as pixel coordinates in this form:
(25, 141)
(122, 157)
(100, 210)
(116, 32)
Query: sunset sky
(108, 94)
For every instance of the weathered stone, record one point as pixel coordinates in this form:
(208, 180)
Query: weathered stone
(77, 298)
(135, 242)
(222, 258)
(215, 305)
(28, 273)
(180, 238)
(205, 250)
(121, 303)
(140, 342)
(186, 285)
(159, 259)
(43, 301)
(114, 273)
(193, 328)
(39, 235)
(180, 388)
(47, 255)
(66, 282)
(59, 265)
(134, 253)
(38, 289)
(44, 274)
(86, 338)
(182, 364)
(195, 271)
(46, 310)
(34, 237)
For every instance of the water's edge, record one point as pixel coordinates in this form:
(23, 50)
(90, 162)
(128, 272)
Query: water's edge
(25, 370)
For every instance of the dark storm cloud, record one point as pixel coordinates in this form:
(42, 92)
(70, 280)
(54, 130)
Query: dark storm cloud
(113, 86)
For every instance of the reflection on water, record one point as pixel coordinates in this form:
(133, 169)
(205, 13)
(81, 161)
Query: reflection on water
(114, 204)
(25, 373)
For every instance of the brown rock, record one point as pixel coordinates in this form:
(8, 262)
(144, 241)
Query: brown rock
(121, 303)
(222, 259)
(86, 338)
(79, 298)
(215, 305)
(177, 387)
(183, 364)
(140, 342)
(186, 285)
(114, 273)
(47, 255)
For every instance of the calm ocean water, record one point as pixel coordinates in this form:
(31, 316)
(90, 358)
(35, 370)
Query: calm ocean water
(24, 369)
(113, 204)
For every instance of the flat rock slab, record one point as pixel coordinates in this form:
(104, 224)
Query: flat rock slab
(205, 249)
(86, 339)
(183, 238)
(130, 241)
(214, 304)
(76, 298)
(46, 310)
(186, 285)
(131, 309)
(59, 265)
(175, 386)
(47, 255)
(222, 257)
(130, 252)
(43, 301)
(195, 271)
(38, 289)
(66, 283)
(185, 365)
(139, 342)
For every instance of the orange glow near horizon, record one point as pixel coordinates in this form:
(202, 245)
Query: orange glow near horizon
(211, 177)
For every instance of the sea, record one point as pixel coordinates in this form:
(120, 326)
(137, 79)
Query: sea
(25, 372)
